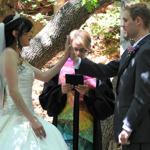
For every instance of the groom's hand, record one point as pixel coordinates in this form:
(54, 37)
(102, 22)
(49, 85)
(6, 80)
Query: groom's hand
(123, 137)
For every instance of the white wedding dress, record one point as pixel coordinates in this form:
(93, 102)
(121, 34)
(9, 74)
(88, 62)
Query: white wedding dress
(16, 132)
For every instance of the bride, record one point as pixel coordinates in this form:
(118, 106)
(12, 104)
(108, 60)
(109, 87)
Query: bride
(20, 127)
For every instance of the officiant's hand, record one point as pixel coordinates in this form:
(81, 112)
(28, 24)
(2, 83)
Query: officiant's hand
(66, 88)
(38, 128)
(82, 89)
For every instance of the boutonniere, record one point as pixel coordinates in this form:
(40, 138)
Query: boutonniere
(132, 49)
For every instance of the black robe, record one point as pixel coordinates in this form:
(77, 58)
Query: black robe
(54, 102)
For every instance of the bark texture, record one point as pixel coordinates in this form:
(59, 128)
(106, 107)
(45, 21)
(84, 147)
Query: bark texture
(51, 39)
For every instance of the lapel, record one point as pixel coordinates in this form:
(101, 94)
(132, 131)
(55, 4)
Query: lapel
(123, 59)
(126, 58)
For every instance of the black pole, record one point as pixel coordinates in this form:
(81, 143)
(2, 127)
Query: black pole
(76, 120)
(75, 80)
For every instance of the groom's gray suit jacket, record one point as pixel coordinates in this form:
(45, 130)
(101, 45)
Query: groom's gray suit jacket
(133, 98)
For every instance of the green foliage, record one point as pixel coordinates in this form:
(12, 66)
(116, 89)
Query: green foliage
(111, 40)
(106, 26)
(26, 1)
(35, 3)
(145, 1)
(90, 4)
(137, 1)
(106, 20)
(40, 17)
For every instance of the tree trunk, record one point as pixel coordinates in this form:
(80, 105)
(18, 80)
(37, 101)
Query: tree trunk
(7, 7)
(124, 43)
(107, 132)
(51, 39)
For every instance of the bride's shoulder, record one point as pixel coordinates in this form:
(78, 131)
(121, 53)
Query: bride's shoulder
(10, 52)
(10, 56)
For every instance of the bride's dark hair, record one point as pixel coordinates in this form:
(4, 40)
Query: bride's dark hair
(21, 25)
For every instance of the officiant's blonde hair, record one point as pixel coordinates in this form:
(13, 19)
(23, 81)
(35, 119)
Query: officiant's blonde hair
(82, 37)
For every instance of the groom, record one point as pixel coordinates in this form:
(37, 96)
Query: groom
(132, 111)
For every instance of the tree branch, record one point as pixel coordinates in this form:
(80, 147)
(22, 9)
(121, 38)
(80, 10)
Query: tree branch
(51, 39)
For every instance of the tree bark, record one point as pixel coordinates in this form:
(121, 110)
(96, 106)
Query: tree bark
(107, 132)
(51, 39)
(7, 7)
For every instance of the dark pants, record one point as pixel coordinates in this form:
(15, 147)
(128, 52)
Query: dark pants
(136, 147)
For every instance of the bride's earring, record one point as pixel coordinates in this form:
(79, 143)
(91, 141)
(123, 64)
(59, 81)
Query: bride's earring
(18, 51)
(15, 34)
(17, 44)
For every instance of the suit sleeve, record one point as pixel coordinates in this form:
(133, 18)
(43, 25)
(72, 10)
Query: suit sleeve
(100, 71)
(96, 102)
(141, 98)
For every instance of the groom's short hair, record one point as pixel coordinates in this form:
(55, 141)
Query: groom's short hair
(141, 10)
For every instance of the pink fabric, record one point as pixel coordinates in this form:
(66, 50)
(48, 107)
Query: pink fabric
(91, 82)
(68, 68)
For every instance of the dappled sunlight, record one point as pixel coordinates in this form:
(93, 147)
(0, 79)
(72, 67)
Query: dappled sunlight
(132, 62)
(126, 122)
(145, 76)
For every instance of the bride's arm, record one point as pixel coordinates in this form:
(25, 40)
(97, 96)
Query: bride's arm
(12, 82)
(49, 74)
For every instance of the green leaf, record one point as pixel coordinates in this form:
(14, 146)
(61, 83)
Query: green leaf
(90, 5)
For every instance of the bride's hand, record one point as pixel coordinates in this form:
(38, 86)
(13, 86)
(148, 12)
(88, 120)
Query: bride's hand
(38, 128)
(68, 45)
